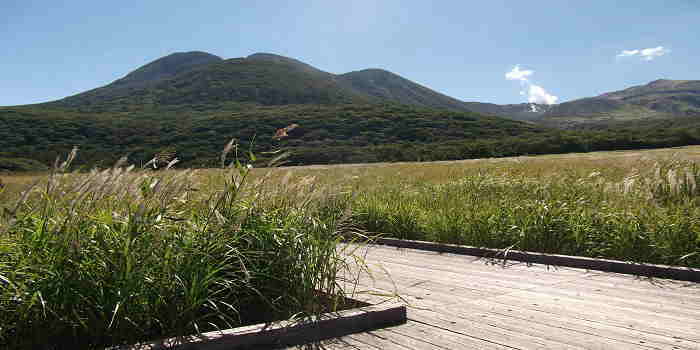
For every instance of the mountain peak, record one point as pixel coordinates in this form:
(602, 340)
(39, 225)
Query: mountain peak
(661, 83)
(166, 67)
(271, 57)
(386, 85)
(267, 56)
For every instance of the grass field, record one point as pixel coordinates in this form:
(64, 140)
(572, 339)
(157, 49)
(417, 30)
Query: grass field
(641, 206)
(119, 255)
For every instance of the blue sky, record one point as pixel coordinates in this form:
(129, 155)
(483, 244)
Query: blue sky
(563, 49)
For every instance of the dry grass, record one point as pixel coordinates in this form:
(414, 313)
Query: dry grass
(123, 255)
(636, 205)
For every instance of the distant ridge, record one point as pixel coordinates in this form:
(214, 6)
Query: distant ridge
(389, 86)
(264, 78)
(192, 103)
(203, 79)
(144, 77)
(167, 67)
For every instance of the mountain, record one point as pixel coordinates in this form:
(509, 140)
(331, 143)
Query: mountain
(520, 111)
(166, 67)
(144, 77)
(386, 85)
(658, 100)
(192, 103)
(204, 79)
(679, 97)
(199, 78)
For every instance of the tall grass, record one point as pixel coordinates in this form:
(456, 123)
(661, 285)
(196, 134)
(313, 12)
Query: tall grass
(652, 215)
(124, 255)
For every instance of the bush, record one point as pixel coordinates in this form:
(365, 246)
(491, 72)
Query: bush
(21, 164)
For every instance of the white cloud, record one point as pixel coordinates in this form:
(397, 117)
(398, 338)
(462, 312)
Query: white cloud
(517, 74)
(647, 54)
(627, 53)
(535, 93)
(650, 54)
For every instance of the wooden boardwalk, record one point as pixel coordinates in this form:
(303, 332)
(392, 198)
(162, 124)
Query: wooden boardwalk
(461, 302)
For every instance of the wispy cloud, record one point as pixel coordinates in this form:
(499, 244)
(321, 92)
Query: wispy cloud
(535, 93)
(517, 74)
(647, 54)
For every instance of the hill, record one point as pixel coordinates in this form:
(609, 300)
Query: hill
(326, 133)
(199, 78)
(191, 80)
(519, 111)
(660, 99)
(204, 81)
(195, 102)
(192, 103)
(679, 97)
(386, 85)
(142, 78)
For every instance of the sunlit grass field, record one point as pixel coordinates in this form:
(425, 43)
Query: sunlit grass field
(640, 206)
(124, 255)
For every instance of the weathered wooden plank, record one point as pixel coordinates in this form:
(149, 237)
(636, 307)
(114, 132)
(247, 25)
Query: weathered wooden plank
(444, 263)
(659, 271)
(344, 343)
(673, 292)
(445, 295)
(288, 332)
(428, 290)
(477, 328)
(641, 289)
(425, 336)
(571, 333)
(412, 335)
(601, 314)
(563, 329)
(480, 329)
(489, 281)
(534, 307)
(671, 286)
(602, 329)
(468, 263)
(671, 306)
(647, 295)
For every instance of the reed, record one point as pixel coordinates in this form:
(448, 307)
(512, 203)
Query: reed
(123, 255)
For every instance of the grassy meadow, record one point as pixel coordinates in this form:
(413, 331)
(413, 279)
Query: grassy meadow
(641, 206)
(122, 255)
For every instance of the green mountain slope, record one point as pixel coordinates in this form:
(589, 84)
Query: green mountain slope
(389, 86)
(348, 129)
(193, 103)
(142, 78)
(348, 133)
(660, 99)
(679, 97)
(261, 78)
(198, 78)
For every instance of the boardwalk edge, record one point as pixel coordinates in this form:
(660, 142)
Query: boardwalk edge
(288, 333)
(617, 266)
